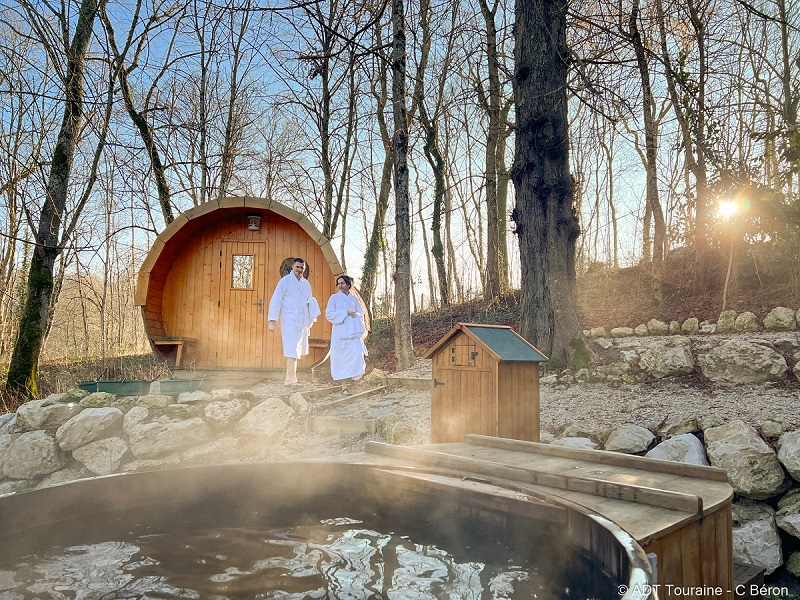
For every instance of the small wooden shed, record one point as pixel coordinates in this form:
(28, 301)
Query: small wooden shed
(485, 381)
(206, 283)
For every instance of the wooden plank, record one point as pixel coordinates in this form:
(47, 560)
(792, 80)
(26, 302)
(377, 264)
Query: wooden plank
(724, 544)
(708, 548)
(586, 485)
(609, 458)
(348, 399)
(689, 543)
(714, 493)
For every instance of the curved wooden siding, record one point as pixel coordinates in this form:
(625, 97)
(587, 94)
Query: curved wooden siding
(184, 284)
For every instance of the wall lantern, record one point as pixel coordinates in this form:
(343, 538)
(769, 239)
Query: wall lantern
(254, 222)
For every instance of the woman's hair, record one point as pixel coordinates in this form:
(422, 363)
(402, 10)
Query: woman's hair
(347, 279)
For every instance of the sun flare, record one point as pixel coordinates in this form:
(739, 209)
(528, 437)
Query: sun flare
(727, 209)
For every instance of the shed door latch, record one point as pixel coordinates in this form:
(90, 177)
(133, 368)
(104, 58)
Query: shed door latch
(437, 383)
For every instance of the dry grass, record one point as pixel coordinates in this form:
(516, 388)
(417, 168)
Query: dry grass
(56, 377)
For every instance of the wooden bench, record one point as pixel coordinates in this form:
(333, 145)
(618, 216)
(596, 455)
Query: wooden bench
(178, 341)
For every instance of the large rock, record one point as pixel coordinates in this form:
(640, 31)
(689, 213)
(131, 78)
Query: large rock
(788, 515)
(789, 453)
(614, 371)
(154, 401)
(221, 394)
(793, 564)
(753, 469)
(656, 327)
(630, 439)
(595, 432)
(7, 422)
(32, 455)
(151, 440)
(12, 486)
(780, 319)
(221, 414)
(746, 321)
(5, 442)
(668, 358)
(726, 321)
(71, 472)
(690, 326)
(102, 457)
(195, 397)
(677, 424)
(97, 399)
(45, 414)
(575, 442)
(739, 361)
(684, 448)
(136, 415)
(87, 426)
(394, 429)
(299, 403)
(266, 419)
(618, 332)
(755, 536)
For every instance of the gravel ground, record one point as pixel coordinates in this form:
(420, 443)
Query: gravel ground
(587, 405)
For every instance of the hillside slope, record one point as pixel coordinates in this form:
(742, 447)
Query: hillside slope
(615, 298)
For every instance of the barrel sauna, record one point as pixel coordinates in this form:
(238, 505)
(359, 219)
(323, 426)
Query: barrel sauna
(206, 283)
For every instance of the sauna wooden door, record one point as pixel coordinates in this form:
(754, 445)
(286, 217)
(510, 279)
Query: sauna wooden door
(242, 305)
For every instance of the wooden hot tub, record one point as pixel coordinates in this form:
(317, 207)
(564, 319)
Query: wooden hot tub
(442, 502)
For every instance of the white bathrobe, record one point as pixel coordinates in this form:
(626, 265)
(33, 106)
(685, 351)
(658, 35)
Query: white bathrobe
(291, 303)
(347, 343)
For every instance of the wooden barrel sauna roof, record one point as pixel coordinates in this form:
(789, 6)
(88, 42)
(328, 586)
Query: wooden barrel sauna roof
(170, 242)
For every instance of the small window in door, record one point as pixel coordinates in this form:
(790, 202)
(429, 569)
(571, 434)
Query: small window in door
(242, 272)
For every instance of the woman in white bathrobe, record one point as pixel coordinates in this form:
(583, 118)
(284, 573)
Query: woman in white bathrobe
(345, 312)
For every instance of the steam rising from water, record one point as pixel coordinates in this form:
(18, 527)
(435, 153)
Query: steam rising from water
(339, 558)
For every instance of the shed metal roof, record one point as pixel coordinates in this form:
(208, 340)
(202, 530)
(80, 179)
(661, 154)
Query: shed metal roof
(501, 341)
(507, 344)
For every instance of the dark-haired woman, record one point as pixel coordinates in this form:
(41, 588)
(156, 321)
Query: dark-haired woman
(345, 312)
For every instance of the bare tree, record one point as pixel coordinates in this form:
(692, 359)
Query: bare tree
(651, 149)
(403, 346)
(429, 123)
(689, 103)
(496, 280)
(380, 93)
(36, 313)
(138, 117)
(546, 224)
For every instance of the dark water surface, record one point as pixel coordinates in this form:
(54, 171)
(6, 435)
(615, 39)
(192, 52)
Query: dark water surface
(338, 557)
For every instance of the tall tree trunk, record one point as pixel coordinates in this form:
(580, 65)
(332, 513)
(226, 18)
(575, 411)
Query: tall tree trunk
(494, 280)
(651, 150)
(431, 147)
(693, 135)
(546, 224)
(403, 348)
(234, 125)
(141, 124)
(369, 275)
(503, 180)
(789, 102)
(22, 377)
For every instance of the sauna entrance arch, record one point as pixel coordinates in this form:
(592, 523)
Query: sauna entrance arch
(205, 285)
